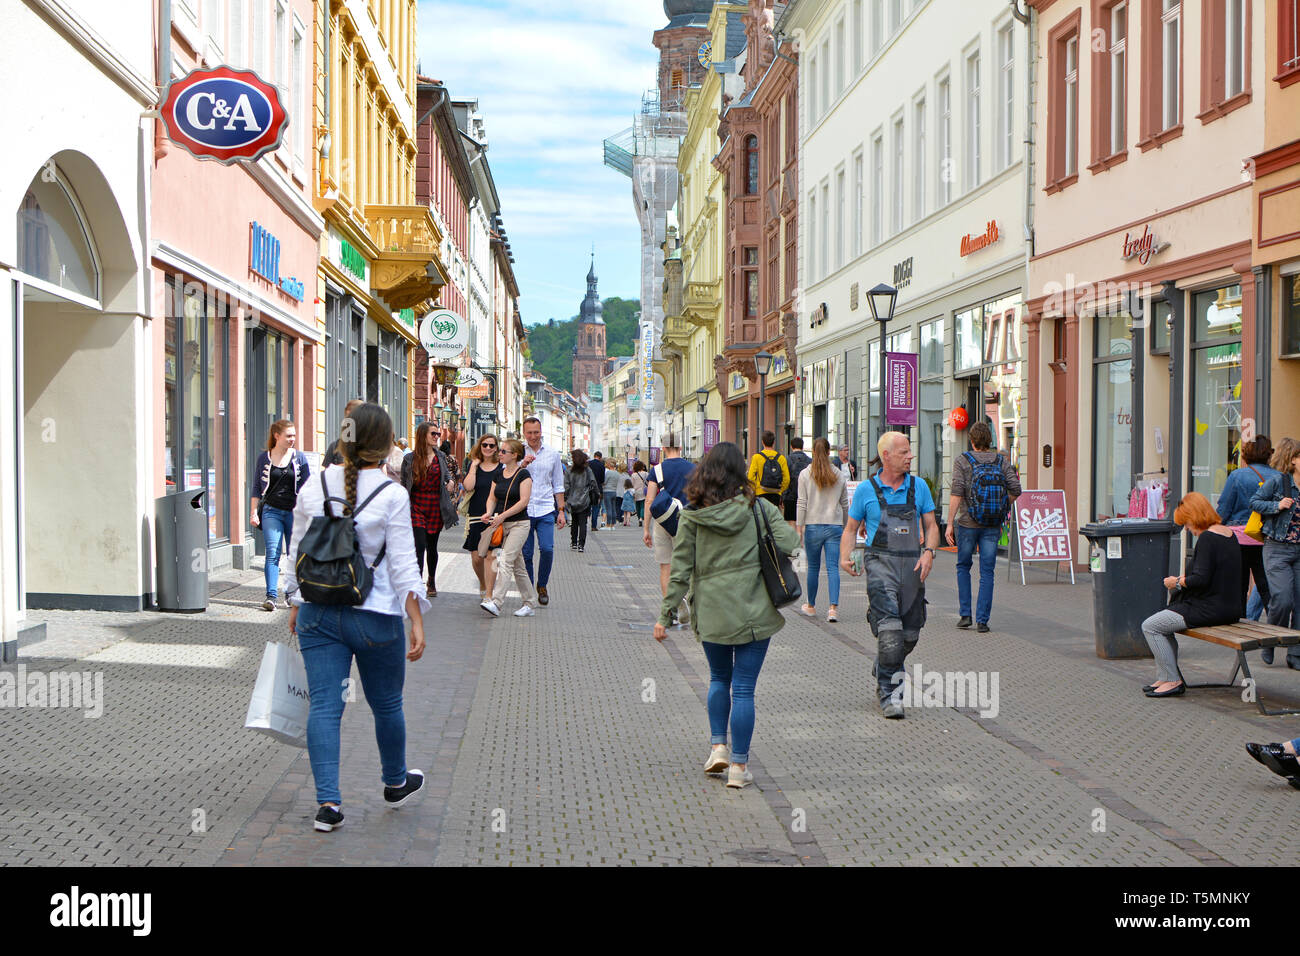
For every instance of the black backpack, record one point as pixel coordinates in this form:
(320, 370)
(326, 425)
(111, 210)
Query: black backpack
(798, 461)
(330, 567)
(772, 475)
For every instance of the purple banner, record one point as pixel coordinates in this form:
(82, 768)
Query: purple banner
(712, 433)
(901, 374)
(654, 455)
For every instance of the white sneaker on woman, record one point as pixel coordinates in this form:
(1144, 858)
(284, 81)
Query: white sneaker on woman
(719, 759)
(525, 611)
(737, 778)
(491, 607)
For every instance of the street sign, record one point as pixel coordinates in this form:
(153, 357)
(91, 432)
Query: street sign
(224, 114)
(444, 335)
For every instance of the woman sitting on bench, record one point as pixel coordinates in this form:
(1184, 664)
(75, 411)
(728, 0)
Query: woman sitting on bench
(1208, 594)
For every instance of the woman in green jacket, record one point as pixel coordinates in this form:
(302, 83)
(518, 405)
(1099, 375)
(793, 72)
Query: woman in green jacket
(715, 557)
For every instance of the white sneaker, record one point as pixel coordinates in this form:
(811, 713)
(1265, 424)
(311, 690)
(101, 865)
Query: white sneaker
(525, 611)
(491, 607)
(719, 759)
(737, 778)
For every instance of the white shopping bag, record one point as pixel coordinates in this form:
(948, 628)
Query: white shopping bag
(800, 561)
(281, 700)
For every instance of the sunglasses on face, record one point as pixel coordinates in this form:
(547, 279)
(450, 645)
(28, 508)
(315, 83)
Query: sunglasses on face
(488, 447)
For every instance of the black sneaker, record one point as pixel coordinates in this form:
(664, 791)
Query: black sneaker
(397, 796)
(328, 818)
(982, 627)
(965, 622)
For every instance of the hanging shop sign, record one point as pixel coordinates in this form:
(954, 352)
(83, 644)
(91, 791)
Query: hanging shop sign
(264, 261)
(1142, 247)
(1041, 526)
(647, 362)
(444, 334)
(712, 433)
(737, 382)
(224, 114)
(901, 373)
(470, 377)
(990, 235)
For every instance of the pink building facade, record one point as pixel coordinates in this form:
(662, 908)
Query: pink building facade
(234, 253)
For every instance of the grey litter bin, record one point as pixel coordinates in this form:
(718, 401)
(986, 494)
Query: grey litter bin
(1130, 560)
(181, 530)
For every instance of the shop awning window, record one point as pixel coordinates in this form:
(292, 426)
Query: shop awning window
(54, 242)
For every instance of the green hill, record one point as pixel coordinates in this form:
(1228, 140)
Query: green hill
(551, 342)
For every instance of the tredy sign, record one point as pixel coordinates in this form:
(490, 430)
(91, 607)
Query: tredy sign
(224, 114)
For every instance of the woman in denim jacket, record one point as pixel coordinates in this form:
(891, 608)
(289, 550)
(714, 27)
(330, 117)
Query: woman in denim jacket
(1276, 501)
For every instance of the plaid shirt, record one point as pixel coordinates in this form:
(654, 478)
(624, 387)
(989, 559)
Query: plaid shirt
(426, 500)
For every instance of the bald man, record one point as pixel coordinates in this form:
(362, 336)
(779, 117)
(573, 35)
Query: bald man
(893, 506)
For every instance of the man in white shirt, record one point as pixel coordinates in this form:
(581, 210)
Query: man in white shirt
(545, 504)
(847, 465)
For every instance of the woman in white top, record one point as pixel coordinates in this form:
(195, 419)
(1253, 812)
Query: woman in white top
(331, 635)
(819, 518)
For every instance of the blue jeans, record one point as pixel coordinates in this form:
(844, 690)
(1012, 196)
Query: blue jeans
(987, 541)
(329, 638)
(816, 539)
(611, 508)
(1254, 606)
(277, 532)
(733, 674)
(544, 529)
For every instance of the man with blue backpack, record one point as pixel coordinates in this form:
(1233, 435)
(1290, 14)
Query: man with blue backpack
(984, 485)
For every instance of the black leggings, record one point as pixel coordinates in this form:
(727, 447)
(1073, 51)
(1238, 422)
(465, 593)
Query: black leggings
(1252, 562)
(578, 529)
(424, 541)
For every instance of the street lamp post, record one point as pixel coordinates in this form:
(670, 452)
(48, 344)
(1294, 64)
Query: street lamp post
(881, 299)
(763, 366)
(702, 398)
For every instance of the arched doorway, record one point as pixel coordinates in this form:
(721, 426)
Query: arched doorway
(79, 351)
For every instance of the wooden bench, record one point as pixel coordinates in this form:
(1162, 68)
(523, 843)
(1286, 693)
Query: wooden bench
(1242, 637)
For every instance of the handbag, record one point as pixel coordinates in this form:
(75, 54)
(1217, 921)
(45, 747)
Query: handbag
(281, 700)
(499, 535)
(778, 572)
(666, 509)
(1255, 524)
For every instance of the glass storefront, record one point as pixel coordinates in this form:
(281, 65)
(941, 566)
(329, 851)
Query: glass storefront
(1112, 420)
(1290, 315)
(929, 450)
(1216, 388)
(195, 376)
(345, 368)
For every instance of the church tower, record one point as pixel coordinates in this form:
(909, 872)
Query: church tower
(589, 347)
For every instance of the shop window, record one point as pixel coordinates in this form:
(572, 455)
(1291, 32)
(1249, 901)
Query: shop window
(931, 361)
(1161, 314)
(1216, 388)
(54, 242)
(968, 347)
(1113, 390)
(1290, 316)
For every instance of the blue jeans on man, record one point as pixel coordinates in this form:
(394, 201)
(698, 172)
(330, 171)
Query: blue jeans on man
(816, 539)
(329, 638)
(277, 532)
(986, 540)
(543, 529)
(733, 675)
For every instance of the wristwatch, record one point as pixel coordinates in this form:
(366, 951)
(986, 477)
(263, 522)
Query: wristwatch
(933, 553)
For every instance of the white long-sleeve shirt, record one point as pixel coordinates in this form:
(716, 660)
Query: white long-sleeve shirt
(386, 519)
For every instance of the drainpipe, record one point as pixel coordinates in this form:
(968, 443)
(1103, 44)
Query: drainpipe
(1031, 92)
(164, 75)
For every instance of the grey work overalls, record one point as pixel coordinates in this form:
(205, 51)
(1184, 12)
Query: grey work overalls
(894, 587)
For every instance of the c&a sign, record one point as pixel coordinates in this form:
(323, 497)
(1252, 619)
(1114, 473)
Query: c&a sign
(224, 114)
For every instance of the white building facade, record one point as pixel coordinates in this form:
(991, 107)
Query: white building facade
(912, 173)
(75, 339)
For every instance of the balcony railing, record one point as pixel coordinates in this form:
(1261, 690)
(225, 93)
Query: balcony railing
(403, 230)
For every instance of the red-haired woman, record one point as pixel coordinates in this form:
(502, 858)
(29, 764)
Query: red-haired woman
(1209, 593)
(280, 472)
(429, 477)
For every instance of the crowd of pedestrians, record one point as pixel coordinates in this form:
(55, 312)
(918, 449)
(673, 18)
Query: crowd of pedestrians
(715, 530)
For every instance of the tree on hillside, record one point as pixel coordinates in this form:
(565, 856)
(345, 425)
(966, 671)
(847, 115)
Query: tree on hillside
(552, 342)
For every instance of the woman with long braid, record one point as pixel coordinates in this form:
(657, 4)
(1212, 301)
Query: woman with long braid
(330, 636)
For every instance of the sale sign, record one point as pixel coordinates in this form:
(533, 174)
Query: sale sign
(1042, 527)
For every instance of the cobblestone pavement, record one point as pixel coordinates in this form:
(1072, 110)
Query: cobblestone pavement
(573, 738)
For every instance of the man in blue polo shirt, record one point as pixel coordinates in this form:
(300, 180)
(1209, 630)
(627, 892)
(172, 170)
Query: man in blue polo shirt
(893, 505)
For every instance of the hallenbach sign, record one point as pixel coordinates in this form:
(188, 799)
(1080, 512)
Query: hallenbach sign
(224, 114)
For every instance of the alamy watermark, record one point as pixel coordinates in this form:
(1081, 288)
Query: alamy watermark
(79, 690)
(946, 689)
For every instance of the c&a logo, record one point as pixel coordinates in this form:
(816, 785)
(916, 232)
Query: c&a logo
(224, 114)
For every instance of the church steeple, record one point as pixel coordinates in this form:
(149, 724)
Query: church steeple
(591, 310)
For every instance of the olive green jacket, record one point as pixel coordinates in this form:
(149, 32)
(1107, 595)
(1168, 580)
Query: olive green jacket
(715, 556)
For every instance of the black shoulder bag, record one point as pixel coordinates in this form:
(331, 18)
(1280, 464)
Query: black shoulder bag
(778, 571)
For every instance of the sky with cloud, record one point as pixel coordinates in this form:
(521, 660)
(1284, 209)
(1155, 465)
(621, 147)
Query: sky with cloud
(553, 80)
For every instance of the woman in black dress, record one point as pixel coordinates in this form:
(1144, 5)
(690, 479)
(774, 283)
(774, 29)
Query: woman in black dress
(484, 463)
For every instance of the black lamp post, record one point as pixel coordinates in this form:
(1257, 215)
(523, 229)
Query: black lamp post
(881, 299)
(763, 366)
(702, 398)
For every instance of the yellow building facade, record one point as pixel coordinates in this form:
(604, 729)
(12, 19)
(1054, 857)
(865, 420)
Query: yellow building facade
(693, 329)
(380, 268)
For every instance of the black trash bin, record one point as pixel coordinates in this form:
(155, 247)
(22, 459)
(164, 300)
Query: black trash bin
(1130, 560)
(181, 529)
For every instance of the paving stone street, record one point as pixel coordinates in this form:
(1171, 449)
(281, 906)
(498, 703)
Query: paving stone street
(574, 738)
